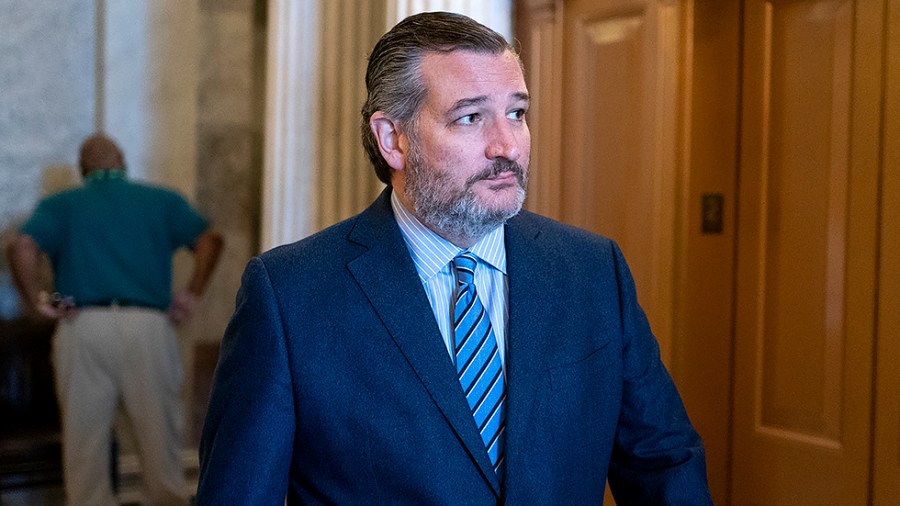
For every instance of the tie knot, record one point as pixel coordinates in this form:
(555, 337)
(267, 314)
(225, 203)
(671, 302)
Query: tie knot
(465, 267)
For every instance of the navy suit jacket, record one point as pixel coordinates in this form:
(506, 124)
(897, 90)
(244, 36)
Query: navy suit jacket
(334, 385)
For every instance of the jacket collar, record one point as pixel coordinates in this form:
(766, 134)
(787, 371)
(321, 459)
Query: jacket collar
(403, 307)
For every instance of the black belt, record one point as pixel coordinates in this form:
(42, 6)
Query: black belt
(120, 303)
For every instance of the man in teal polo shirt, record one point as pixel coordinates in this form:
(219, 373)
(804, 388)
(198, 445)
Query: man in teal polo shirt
(110, 245)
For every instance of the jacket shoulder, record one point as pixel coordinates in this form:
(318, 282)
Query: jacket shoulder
(327, 242)
(560, 236)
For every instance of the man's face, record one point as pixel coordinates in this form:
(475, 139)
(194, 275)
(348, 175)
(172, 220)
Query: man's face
(467, 160)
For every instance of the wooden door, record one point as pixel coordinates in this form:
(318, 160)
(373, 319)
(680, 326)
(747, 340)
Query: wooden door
(626, 142)
(807, 250)
(886, 479)
(620, 129)
(789, 110)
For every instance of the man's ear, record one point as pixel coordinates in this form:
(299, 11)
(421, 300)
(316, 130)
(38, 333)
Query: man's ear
(391, 142)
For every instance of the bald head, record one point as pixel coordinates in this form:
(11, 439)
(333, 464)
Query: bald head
(99, 152)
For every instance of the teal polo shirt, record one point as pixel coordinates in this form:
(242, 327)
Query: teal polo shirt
(113, 239)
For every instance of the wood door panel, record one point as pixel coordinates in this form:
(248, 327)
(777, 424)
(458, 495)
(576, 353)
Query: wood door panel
(805, 286)
(804, 208)
(541, 40)
(619, 123)
(609, 58)
(886, 490)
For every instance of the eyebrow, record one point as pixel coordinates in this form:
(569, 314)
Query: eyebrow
(521, 95)
(467, 102)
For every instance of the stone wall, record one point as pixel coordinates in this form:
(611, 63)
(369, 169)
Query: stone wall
(46, 107)
(230, 122)
(180, 85)
(182, 94)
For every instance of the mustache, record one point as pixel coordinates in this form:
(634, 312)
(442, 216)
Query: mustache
(498, 167)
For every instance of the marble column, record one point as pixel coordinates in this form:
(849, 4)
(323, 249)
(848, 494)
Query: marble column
(288, 194)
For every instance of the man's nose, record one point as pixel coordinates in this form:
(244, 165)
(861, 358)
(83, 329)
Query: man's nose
(503, 141)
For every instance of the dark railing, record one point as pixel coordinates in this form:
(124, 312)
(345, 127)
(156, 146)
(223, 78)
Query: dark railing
(29, 418)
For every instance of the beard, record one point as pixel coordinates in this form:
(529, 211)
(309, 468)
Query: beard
(455, 211)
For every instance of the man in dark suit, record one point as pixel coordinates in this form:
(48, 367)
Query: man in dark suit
(443, 347)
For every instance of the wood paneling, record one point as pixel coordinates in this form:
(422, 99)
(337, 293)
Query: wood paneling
(804, 210)
(784, 337)
(805, 285)
(704, 301)
(620, 131)
(887, 412)
(541, 44)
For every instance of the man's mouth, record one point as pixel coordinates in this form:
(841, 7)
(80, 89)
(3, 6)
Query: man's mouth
(507, 174)
(502, 174)
(502, 180)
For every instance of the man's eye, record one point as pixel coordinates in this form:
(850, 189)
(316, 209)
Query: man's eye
(469, 119)
(517, 114)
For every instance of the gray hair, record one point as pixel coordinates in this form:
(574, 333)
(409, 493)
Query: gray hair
(394, 78)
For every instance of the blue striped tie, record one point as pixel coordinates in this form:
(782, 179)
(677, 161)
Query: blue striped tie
(478, 360)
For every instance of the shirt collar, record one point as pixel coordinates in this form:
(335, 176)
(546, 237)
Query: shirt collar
(431, 252)
(105, 174)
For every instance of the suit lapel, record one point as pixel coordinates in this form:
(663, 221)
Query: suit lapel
(388, 277)
(531, 305)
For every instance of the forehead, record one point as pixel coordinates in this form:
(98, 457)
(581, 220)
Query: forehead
(457, 75)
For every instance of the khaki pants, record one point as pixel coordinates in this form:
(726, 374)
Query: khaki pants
(105, 356)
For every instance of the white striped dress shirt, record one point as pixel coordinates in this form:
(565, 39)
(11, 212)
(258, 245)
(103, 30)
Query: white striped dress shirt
(432, 255)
